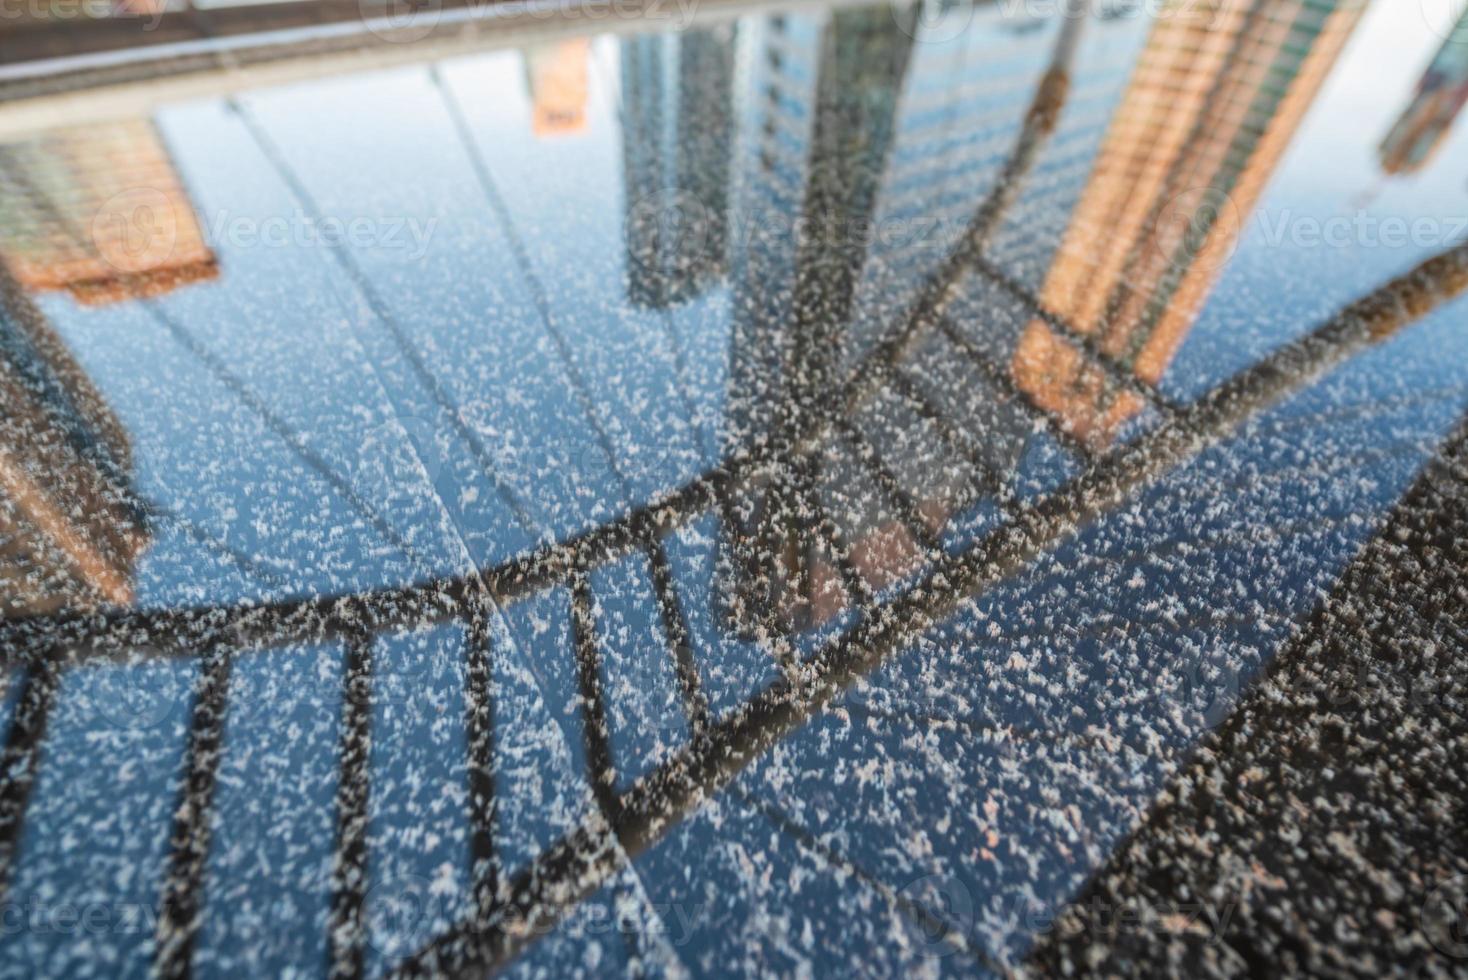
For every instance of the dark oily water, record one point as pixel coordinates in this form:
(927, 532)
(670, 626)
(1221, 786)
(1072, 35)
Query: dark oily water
(967, 488)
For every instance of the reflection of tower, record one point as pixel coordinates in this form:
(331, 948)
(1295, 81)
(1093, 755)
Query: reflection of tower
(99, 211)
(1214, 100)
(820, 129)
(961, 127)
(782, 56)
(864, 59)
(677, 126)
(69, 534)
(1440, 95)
(820, 132)
(556, 75)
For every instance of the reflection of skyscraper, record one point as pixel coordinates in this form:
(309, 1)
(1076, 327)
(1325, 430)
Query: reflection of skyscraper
(864, 60)
(1440, 95)
(819, 127)
(556, 75)
(1214, 100)
(100, 212)
(782, 59)
(677, 127)
(69, 533)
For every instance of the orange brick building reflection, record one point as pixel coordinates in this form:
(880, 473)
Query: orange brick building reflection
(1214, 100)
(100, 212)
(70, 530)
(558, 78)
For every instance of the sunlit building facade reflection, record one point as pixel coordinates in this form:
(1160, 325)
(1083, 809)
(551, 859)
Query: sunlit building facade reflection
(70, 530)
(100, 212)
(1439, 97)
(1216, 96)
(556, 77)
(834, 240)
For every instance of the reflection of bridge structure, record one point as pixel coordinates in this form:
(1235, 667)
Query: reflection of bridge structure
(511, 906)
(508, 911)
(578, 864)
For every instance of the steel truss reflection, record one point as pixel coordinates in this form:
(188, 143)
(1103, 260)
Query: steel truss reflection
(510, 909)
